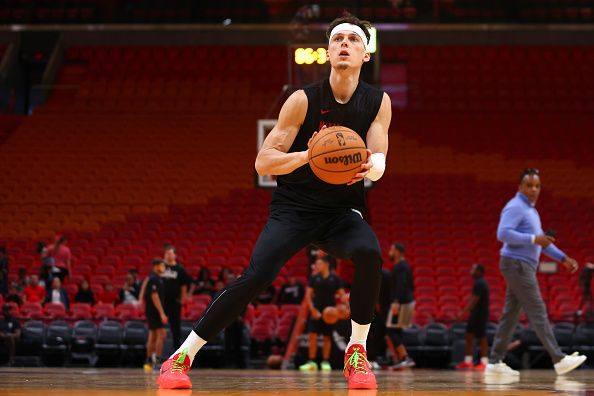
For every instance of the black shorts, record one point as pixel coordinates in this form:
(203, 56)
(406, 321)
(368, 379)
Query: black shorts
(320, 327)
(477, 326)
(154, 321)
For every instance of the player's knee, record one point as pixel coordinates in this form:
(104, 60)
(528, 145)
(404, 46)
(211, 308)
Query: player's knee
(258, 281)
(367, 255)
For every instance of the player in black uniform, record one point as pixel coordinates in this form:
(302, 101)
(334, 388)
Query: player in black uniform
(478, 306)
(321, 292)
(176, 282)
(155, 314)
(306, 210)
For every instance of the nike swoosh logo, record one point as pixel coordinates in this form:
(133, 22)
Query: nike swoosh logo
(325, 111)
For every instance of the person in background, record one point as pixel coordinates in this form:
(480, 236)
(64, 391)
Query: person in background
(320, 294)
(155, 314)
(203, 283)
(62, 256)
(34, 293)
(48, 268)
(267, 296)
(13, 295)
(223, 279)
(136, 284)
(476, 327)
(57, 294)
(520, 231)
(176, 282)
(3, 271)
(403, 304)
(109, 295)
(10, 332)
(23, 279)
(128, 293)
(291, 292)
(84, 293)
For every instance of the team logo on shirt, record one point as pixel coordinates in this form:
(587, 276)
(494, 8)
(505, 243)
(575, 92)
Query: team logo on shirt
(169, 274)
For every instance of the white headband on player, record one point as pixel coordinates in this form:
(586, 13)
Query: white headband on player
(352, 28)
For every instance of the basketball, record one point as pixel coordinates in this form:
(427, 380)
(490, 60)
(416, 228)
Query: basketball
(274, 362)
(330, 315)
(336, 154)
(343, 311)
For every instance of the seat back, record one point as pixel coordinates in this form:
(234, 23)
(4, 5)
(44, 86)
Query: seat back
(135, 333)
(110, 332)
(436, 334)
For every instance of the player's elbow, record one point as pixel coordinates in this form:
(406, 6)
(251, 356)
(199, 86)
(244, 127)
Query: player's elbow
(261, 167)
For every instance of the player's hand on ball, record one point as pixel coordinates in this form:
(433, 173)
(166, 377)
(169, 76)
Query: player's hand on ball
(364, 169)
(571, 264)
(316, 314)
(313, 136)
(544, 240)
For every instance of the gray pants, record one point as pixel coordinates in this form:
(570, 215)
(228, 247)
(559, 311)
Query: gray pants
(522, 293)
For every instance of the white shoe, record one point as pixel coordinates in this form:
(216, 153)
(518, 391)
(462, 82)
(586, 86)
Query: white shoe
(569, 363)
(500, 368)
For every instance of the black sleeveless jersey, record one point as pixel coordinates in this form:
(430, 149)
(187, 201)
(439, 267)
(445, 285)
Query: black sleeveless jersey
(302, 189)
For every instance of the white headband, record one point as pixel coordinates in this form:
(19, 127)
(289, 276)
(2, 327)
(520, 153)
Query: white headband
(350, 27)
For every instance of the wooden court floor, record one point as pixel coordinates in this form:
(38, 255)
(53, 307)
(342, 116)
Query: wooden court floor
(134, 382)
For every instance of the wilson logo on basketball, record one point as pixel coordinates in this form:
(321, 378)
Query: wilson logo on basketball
(344, 159)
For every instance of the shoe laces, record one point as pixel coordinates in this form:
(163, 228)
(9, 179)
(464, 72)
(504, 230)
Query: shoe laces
(358, 361)
(178, 365)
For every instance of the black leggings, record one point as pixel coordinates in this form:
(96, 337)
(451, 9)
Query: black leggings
(344, 235)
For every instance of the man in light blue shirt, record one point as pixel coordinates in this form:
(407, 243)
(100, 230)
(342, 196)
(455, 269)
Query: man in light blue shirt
(523, 239)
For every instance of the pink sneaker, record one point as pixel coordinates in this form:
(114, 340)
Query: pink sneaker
(357, 369)
(173, 373)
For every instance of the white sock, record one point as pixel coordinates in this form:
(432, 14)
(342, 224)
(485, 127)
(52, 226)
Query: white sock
(359, 334)
(191, 345)
(485, 360)
(467, 359)
(154, 357)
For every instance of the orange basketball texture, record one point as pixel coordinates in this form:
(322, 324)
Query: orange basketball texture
(336, 154)
(330, 315)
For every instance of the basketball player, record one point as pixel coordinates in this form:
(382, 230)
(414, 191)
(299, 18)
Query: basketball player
(155, 315)
(321, 293)
(306, 210)
(175, 287)
(523, 240)
(402, 308)
(476, 327)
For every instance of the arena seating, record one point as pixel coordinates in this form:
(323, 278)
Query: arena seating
(503, 79)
